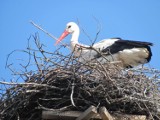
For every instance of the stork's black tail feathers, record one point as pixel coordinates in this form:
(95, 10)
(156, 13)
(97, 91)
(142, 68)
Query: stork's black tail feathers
(121, 45)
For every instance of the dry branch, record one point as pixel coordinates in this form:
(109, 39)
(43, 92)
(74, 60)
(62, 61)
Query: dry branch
(49, 34)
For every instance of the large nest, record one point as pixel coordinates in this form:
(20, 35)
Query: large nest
(62, 83)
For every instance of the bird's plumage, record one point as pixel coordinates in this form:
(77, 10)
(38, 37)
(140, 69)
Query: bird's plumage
(130, 53)
(121, 45)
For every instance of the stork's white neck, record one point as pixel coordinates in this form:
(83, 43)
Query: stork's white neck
(75, 36)
(74, 39)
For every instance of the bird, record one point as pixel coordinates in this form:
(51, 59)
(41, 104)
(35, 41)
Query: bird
(130, 53)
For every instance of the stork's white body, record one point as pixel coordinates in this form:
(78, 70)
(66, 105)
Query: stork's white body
(127, 56)
(129, 53)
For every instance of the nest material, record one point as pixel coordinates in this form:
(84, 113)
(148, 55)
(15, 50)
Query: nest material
(62, 83)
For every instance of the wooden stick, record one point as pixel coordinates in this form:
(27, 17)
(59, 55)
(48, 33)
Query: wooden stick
(137, 117)
(89, 113)
(105, 114)
(54, 115)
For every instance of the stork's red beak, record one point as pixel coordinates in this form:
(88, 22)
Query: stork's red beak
(64, 34)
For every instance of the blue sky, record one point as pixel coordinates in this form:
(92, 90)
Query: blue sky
(131, 20)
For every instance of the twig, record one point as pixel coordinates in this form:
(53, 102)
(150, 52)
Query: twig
(36, 62)
(98, 31)
(33, 84)
(49, 34)
(84, 31)
(71, 96)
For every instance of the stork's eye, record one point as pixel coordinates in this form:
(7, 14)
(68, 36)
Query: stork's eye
(69, 26)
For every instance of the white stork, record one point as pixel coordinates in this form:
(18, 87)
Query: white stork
(129, 53)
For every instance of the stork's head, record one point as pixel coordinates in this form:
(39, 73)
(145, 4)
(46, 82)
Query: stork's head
(71, 27)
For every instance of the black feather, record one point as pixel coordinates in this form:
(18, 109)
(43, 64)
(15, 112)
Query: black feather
(120, 45)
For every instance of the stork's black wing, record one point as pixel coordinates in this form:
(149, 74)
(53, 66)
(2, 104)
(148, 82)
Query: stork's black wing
(121, 45)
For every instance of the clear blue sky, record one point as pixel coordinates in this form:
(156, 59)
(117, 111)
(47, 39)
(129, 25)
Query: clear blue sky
(131, 20)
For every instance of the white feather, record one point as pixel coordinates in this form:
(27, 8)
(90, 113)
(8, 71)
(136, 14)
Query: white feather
(133, 56)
